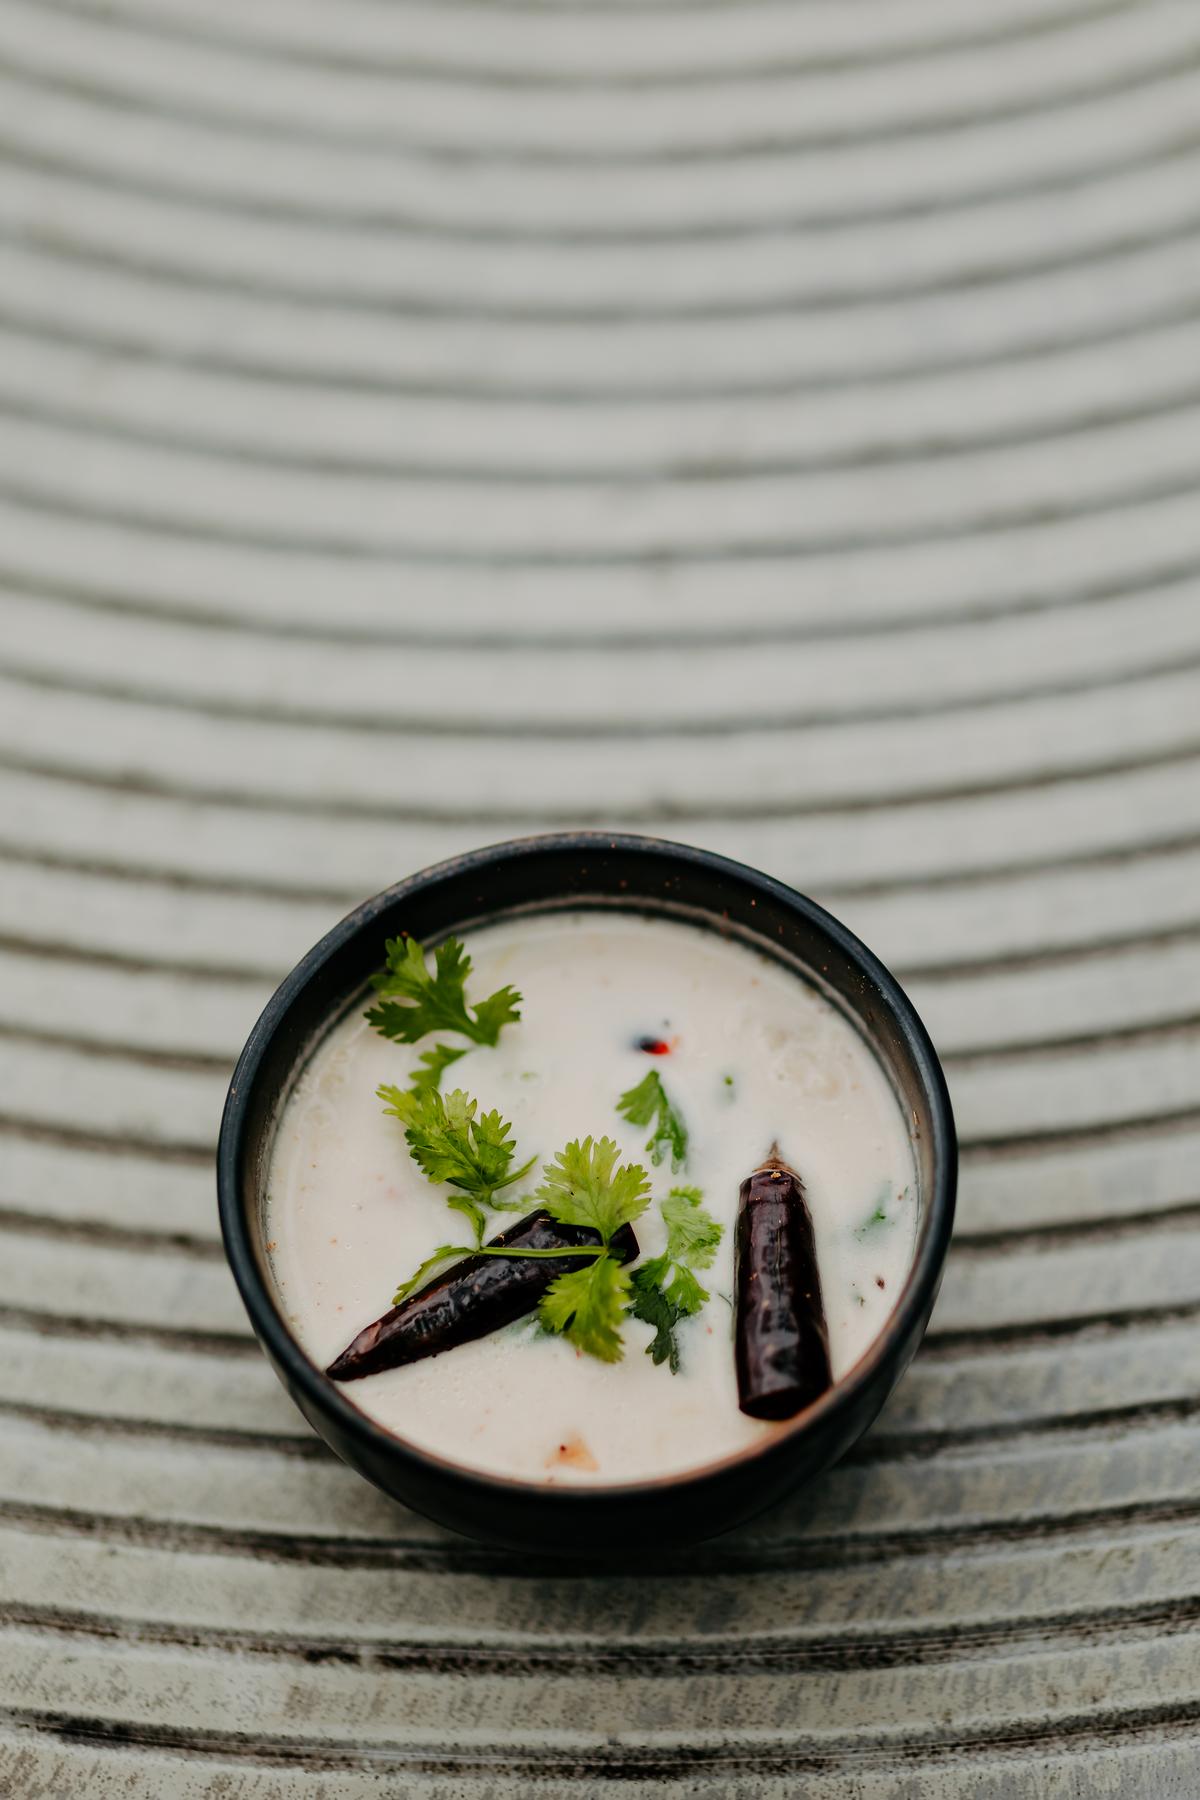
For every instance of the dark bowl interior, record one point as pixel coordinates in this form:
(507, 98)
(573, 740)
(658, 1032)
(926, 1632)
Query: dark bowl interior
(595, 870)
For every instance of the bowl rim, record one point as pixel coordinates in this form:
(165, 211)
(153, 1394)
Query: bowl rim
(327, 1396)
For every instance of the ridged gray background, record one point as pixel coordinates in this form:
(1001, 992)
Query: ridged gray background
(773, 424)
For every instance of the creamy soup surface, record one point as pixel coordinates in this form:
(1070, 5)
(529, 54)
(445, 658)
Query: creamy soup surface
(756, 1057)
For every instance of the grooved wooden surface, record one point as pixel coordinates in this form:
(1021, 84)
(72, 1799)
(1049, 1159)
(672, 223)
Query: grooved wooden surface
(773, 424)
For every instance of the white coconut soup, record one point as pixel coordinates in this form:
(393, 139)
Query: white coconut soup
(752, 1057)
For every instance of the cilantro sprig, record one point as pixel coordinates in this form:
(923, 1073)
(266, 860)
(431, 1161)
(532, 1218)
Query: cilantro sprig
(648, 1102)
(431, 1066)
(415, 1002)
(692, 1233)
(473, 1152)
(665, 1289)
(584, 1186)
(453, 1142)
(586, 1306)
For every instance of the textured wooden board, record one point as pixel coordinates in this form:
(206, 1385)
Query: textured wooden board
(773, 424)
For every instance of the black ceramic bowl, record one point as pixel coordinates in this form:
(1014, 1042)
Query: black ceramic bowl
(587, 869)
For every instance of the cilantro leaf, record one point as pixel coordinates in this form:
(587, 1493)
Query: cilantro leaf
(431, 1066)
(666, 1289)
(648, 1101)
(587, 1305)
(651, 1304)
(455, 1143)
(452, 1142)
(498, 1010)
(653, 1271)
(436, 1002)
(692, 1196)
(582, 1186)
(401, 1103)
(684, 1291)
(692, 1233)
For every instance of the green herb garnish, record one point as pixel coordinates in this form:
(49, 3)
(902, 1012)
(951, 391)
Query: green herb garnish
(442, 1254)
(431, 1066)
(650, 1304)
(453, 1142)
(435, 1002)
(878, 1217)
(666, 1289)
(648, 1101)
(881, 1215)
(692, 1233)
(473, 1153)
(583, 1186)
(587, 1305)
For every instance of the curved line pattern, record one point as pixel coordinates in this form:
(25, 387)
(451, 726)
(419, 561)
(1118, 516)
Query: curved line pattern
(82, 1328)
(81, 589)
(897, 1447)
(482, 230)
(113, 90)
(34, 857)
(111, 1143)
(245, 44)
(146, 872)
(435, 725)
(36, 496)
(548, 817)
(111, 339)
(263, 979)
(465, 391)
(371, 302)
(1062, 1237)
(887, 1650)
(786, 1555)
(102, 1234)
(1036, 24)
(190, 1061)
(245, 973)
(319, 1756)
(882, 453)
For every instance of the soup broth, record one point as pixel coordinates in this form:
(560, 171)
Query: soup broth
(751, 1057)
